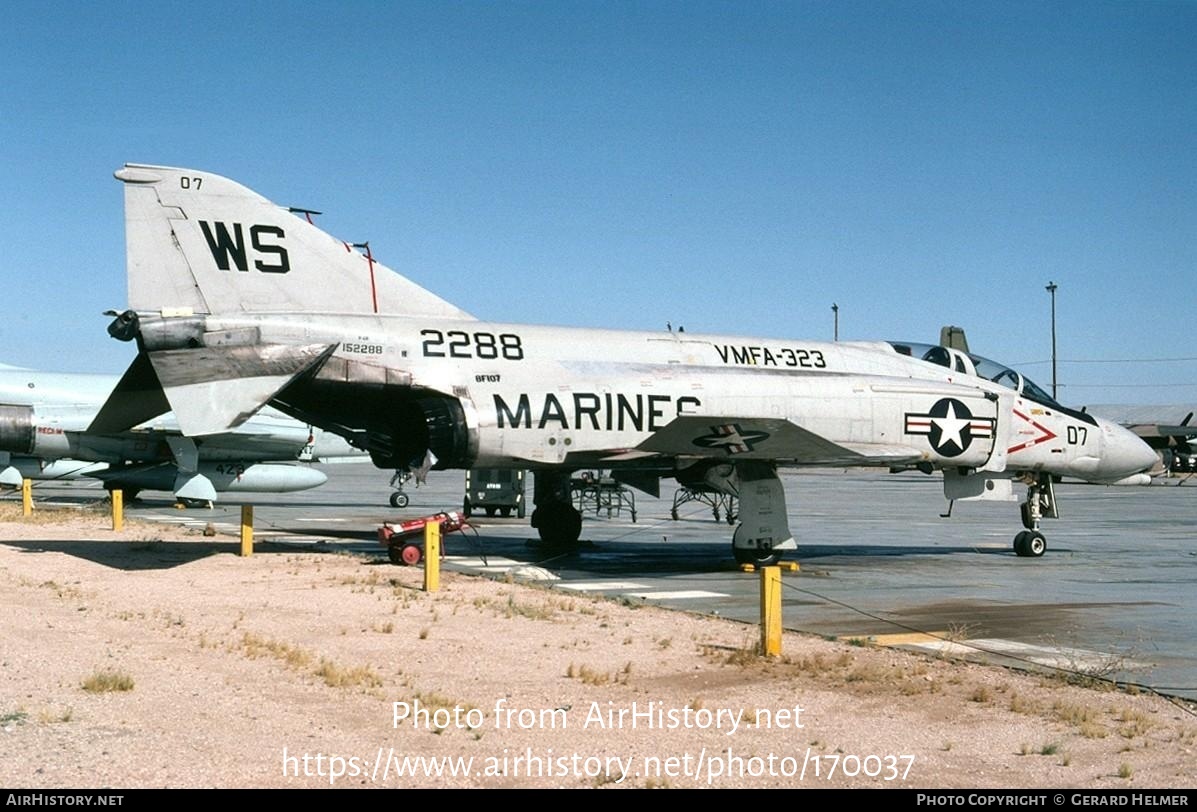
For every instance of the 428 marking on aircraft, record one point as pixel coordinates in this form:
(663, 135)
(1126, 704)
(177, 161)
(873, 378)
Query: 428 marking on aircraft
(750, 355)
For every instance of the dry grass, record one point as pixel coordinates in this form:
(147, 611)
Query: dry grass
(12, 512)
(292, 656)
(108, 681)
(319, 657)
(51, 717)
(588, 675)
(337, 676)
(1133, 723)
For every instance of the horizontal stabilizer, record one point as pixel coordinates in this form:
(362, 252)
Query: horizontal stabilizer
(210, 389)
(138, 397)
(213, 389)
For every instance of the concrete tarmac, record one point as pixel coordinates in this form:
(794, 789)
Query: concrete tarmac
(1115, 594)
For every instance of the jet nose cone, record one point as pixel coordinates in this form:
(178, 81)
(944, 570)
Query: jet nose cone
(1124, 453)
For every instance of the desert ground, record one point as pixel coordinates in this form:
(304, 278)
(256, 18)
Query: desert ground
(157, 657)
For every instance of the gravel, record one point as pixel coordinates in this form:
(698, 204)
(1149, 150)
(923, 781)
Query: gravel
(158, 658)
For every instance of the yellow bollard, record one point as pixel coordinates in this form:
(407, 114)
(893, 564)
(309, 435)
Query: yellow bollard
(118, 510)
(247, 530)
(771, 611)
(26, 497)
(432, 556)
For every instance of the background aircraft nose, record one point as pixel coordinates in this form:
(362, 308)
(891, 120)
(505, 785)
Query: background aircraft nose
(1123, 452)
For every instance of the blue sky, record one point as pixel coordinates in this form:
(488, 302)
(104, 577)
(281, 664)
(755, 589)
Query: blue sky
(732, 167)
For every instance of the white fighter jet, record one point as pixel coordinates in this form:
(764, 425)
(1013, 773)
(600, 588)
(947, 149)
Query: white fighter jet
(43, 435)
(236, 302)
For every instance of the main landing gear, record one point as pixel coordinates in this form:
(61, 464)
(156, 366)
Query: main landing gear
(1040, 504)
(763, 533)
(761, 537)
(399, 499)
(555, 518)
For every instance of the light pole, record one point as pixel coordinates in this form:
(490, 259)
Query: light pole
(1051, 288)
(835, 309)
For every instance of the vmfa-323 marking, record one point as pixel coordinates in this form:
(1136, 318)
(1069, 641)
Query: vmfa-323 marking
(236, 302)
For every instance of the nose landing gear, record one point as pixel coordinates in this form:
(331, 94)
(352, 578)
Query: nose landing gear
(1040, 504)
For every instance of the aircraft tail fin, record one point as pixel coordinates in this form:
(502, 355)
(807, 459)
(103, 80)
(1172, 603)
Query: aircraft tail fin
(201, 243)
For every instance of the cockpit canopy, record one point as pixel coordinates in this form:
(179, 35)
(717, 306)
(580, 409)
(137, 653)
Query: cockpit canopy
(979, 366)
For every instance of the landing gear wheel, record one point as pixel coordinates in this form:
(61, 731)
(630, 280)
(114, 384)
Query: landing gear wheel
(559, 525)
(673, 514)
(758, 558)
(399, 499)
(1030, 544)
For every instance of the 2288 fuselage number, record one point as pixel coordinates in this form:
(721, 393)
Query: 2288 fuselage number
(460, 344)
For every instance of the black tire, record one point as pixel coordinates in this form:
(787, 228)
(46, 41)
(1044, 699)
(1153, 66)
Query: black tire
(395, 553)
(559, 524)
(519, 511)
(466, 510)
(1030, 544)
(399, 499)
(505, 512)
(490, 511)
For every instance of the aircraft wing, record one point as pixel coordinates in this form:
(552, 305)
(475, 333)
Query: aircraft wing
(774, 439)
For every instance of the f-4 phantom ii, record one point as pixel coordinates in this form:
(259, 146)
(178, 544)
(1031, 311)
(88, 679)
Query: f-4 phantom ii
(43, 422)
(236, 302)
